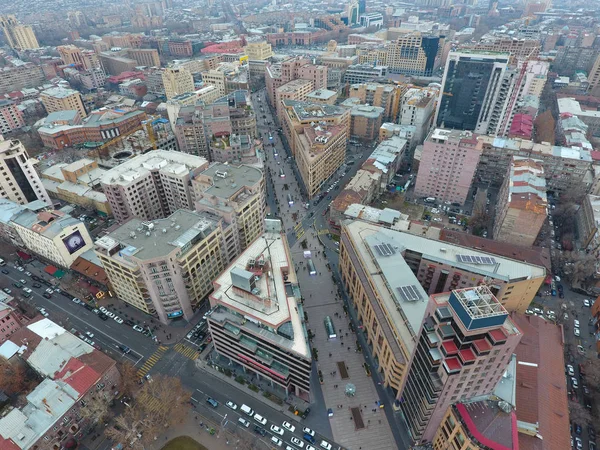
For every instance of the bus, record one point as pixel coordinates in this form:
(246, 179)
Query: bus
(311, 267)
(290, 200)
(281, 173)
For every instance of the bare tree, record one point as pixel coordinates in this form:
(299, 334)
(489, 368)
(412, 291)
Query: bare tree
(95, 409)
(13, 377)
(129, 384)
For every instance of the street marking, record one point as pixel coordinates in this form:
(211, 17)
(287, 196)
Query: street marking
(186, 351)
(324, 231)
(151, 361)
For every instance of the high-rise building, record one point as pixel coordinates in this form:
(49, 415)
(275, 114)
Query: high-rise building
(414, 54)
(448, 165)
(11, 117)
(520, 49)
(116, 63)
(277, 75)
(85, 59)
(61, 99)
(235, 193)
(588, 222)
(177, 81)
(475, 88)
(417, 109)
(365, 120)
(153, 185)
(165, 267)
(18, 36)
(256, 317)
(594, 78)
(522, 205)
(144, 56)
(19, 181)
(17, 76)
(462, 350)
(385, 96)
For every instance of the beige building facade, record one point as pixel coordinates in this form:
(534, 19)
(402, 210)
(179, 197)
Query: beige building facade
(60, 99)
(177, 81)
(18, 36)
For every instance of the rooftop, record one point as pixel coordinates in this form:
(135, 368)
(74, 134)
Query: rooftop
(305, 111)
(527, 185)
(141, 165)
(140, 240)
(270, 296)
(321, 94)
(386, 153)
(58, 92)
(226, 179)
(488, 424)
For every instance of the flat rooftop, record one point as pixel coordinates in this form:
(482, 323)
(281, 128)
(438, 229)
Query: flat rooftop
(274, 303)
(313, 111)
(321, 94)
(228, 179)
(141, 165)
(180, 230)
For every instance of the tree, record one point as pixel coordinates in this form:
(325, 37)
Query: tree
(578, 267)
(160, 404)
(95, 409)
(13, 377)
(129, 384)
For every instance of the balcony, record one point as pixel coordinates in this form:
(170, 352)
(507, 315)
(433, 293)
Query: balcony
(452, 365)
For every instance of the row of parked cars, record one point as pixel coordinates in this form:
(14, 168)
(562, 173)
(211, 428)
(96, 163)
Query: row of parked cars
(276, 430)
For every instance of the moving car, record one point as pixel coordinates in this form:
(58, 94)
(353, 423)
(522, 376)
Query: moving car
(212, 402)
(244, 422)
(231, 405)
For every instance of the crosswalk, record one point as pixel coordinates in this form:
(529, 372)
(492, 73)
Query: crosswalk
(151, 403)
(151, 361)
(299, 229)
(186, 351)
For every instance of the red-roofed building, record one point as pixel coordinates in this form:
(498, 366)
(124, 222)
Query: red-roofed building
(521, 127)
(77, 375)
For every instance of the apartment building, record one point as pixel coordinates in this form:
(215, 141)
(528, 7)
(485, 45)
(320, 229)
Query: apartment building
(447, 166)
(520, 49)
(116, 63)
(276, 75)
(11, 117)
(385, 96)
(18, 75)
(216, 78)
(475, 89)
(565, 168)
(85, 59)
(463, 348)
(365, 120)
(588, 221)
(74, 376)
(258, 51)
(17, 35)
(322, 96)
(153, 185)
(19, 180)
(197, 125)
(294, 90)
(177, 81)
(256, 317)
(235, 149)
(144, 56)
(61, 99)
(165, 267)
(417, 109)
(522, 205)
(9, 322)
(55, 236)
(297, 115)
(235, 193)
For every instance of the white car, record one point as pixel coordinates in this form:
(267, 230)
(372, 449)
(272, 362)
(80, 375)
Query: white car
(307, 430)
(89, 334)
(138, 328)
(231, 405)
(118, 319)
(275, 429)
(49, 291)
(586, 303)
(288, 426)
(244, 422)
(574, 382)
(103, 309)
(297, 442)
(20, 269)
(276, 441)
(110, 314)
(28, 273)
(76, 300)
(570, 370)
(576, 332)
(576, 323)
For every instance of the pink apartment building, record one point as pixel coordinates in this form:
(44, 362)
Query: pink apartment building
(448, 164)
(9, 323)
(277, 75)
(11, 118)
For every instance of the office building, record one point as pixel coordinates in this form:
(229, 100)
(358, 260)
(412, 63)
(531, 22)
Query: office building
(19, 181)
(144, 56)
(165, 267)
(414, 53)
(475, 89)
(235, 193)
(363, 73)
(541, 389)
(521, 208)
(18, 36)
(153, 185)
(462, 350)
(53, 235)
(11, 117)
(61, 99)
(417, 109)
(448, 164)
(294, 90)
(257, 319)
(258, 51)
(177, 81)
(74, 376)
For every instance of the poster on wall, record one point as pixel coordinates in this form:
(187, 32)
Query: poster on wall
(74, 242)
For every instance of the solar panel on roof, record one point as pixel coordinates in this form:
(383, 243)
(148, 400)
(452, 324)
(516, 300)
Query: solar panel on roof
(410, 293)
(472, 259)
(384, 249)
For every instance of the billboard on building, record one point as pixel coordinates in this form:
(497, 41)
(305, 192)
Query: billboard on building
(74, 242)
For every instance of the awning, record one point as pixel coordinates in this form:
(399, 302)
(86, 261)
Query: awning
(24, 256)
(548, 279)
(59, 273)
(51, 270)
